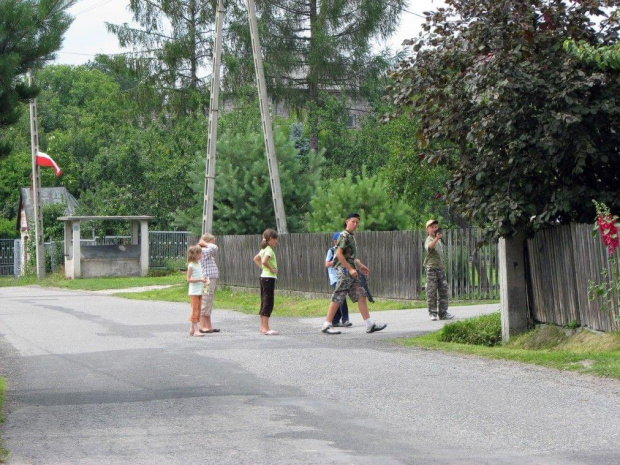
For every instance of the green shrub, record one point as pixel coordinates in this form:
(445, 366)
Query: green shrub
(8, 229)
(483, 330)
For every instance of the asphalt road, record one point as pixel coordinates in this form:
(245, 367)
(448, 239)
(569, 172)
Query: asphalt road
(95, 379)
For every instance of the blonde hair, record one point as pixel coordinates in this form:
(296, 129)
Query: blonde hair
(194, 253)
(207, 237)
(268, 234)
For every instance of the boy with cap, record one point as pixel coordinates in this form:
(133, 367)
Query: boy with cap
(347, 265)
(343, 310)
(436, 282)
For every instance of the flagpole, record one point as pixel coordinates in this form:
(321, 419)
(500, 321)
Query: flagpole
(36, 188)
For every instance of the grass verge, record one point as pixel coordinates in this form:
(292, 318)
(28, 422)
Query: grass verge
(93, 284)
(4, 454)
(246, 302)
(249, 302)
(583, 351)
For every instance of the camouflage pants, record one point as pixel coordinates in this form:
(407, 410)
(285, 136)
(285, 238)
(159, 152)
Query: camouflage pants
(436, 291)
(347, 285)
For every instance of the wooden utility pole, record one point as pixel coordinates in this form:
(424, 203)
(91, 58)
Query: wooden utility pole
(207, 210)
(272, 162)
(36, 188)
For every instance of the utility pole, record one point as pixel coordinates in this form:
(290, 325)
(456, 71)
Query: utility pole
(36, 188)
(272, 162)
(207, 210)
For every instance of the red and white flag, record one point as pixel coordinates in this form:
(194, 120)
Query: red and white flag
(43, 159)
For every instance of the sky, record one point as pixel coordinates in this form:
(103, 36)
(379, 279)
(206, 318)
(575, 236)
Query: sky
(87, 35)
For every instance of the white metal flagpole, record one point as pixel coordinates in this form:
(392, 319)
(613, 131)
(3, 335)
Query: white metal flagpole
(36, 188)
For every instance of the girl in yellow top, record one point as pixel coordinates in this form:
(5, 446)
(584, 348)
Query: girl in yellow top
(266, 261)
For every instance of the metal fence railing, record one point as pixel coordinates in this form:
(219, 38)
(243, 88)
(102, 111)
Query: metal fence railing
(7, 257)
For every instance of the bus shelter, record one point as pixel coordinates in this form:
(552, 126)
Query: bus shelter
(89, 261)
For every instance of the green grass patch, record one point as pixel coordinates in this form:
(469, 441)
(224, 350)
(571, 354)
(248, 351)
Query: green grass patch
(484, 331)
(584, 351)
(94, 284)
(249, 302)
(4, 454)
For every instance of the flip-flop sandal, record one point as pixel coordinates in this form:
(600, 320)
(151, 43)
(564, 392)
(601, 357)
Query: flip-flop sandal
(198, 335)
(271, 332)
(207, 331)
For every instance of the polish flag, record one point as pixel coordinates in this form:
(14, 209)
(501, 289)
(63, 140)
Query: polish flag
(43, 159)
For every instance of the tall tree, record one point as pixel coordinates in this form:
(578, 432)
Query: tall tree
(172, 47)
(243, 203)
(528, 131)
(315, 46)
(30, 33)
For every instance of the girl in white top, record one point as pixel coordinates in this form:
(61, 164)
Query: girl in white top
(196, 281)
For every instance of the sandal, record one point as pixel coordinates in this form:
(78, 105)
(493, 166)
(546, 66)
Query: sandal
(271, 332)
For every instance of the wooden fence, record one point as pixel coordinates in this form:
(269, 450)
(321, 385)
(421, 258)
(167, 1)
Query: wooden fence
(562, 261)
(394, 257)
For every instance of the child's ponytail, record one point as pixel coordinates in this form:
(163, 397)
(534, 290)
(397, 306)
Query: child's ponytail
(267, 235)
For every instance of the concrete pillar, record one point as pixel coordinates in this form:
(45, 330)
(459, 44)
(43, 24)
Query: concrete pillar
(144, 248)
(134, 233)
(513, 296)
(67, 248)
(77, 268)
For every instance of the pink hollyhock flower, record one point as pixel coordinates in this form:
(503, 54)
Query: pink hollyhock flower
(609, 232)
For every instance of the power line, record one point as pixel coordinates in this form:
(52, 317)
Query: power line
(97, 5)
(414, 14)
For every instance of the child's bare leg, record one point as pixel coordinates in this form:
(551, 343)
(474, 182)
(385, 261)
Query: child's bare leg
(362, 304)
(264, 324)
(331, 312)
(205, 323)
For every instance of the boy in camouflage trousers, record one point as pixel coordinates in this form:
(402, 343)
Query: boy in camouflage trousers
(347, 265)
(436, 282)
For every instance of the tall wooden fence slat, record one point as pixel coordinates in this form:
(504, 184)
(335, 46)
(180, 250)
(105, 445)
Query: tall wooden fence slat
(395, 259)
(562, 261)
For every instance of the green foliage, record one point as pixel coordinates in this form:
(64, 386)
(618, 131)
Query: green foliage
(243, 201)
(365, 194)
(420, 184)
(527, 131)
(54, 230)
(30, 33)
(8, 229)
(484, 330)
(605, 57)
(314, 46)
(115, 161)
(170, 49)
